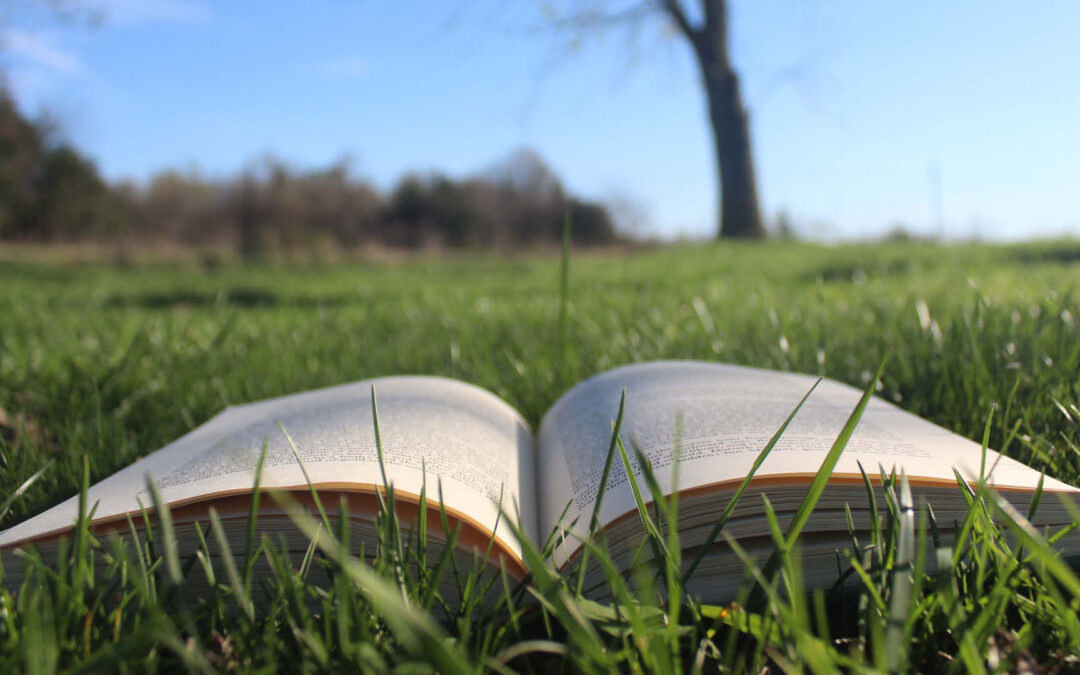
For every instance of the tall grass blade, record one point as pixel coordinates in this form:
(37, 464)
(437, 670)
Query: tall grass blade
(378, 438)
(231, 572)
(900, 596)
(414, 628)
(5, 506)
(166, 533)
(734, 501)
(652, 531)
(1040, 550)
(605, 475)
(817, 487)
(250, 553)
(564, 305)
(307, 479)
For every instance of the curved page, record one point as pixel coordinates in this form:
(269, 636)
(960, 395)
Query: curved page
(728, 414)
(475, 443)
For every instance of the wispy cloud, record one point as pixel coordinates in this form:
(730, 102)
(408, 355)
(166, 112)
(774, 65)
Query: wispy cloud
(351, 66)
(41, 50)
(131, 12)
(40, 57)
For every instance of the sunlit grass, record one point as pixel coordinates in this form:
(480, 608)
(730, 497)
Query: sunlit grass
(111, 363)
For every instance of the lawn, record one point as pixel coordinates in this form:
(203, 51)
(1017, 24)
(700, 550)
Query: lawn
(111, 361)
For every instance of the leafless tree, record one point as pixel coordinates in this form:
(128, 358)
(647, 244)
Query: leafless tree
(704, 26)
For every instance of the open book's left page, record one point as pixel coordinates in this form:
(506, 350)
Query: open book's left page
(475, 444)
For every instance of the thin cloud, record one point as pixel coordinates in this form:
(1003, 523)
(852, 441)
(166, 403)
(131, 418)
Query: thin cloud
(132, 12)
(41, 50)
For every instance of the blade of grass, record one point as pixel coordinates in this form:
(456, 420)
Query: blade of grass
(413, 628)
(734, 501)
(166, 533)
(23, 487)
(594, 519)
(1032, 540)
(250, 553)
(817, 486)
(656, 540)
(231, 572)
(900, 596)
(564, 305)
(307, 479)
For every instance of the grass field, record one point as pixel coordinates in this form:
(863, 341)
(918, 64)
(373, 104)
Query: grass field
(111, 362)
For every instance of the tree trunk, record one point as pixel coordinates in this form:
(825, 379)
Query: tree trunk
(740, 216)
(248, 217)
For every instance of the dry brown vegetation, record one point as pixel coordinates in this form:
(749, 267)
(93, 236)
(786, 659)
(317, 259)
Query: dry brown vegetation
(50, 193)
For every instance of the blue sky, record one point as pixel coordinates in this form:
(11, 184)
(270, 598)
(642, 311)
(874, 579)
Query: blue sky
(854, 105)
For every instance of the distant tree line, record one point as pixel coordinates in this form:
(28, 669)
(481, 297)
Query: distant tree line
(49, 192)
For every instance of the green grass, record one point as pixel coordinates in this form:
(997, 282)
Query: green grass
(113, 362)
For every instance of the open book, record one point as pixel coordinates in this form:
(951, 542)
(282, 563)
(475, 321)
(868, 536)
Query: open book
(480, 450)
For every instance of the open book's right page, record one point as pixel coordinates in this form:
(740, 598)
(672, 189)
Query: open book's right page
(726, 415)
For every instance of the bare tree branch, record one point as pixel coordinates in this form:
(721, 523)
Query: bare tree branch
(675, 11)
(597, 17)
(740, 212)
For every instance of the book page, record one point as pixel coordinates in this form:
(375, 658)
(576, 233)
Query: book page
(728, 415)
(477, 445)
